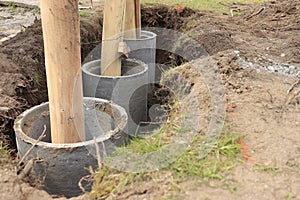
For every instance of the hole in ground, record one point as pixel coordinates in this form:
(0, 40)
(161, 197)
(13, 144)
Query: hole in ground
(25, 56)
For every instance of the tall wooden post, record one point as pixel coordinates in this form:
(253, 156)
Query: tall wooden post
(138, 22)
(113, 26)
(60, 22)
(133, 19)
(130, 20)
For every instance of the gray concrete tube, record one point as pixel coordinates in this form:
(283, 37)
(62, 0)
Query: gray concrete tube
(128, 90)
(62, 166)
(143, 49)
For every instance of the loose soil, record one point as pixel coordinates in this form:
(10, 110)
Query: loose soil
(257, 54)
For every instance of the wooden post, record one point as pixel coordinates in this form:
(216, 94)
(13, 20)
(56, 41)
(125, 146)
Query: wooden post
(113, 26)
(133, 19)
(130, 20)
(138, 22)
(60, 22)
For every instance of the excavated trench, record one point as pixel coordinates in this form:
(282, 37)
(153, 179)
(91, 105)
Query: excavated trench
(24, 71)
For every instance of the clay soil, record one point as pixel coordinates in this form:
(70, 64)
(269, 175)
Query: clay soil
(257, 55)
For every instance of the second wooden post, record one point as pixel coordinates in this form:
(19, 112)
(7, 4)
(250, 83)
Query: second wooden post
(113, 26)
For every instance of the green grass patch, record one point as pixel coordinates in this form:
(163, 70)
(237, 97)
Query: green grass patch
(159, 137)
(11, 5)
(189, 164)
(210, 5)
(86, 13)
(157, 140)
(225, 154)
(4, 150)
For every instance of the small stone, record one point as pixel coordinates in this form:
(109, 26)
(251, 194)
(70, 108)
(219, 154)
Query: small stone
(22, 51)
(237, 52)
(271, 69)
(286, 71)
(282, 55)
(292, 67)
(5, 180)
(239, 91)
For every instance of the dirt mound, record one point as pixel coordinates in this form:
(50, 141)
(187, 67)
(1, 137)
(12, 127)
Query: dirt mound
(23, 81)
(25, 52)
(276, 21)
(165, 16)
(91, 34)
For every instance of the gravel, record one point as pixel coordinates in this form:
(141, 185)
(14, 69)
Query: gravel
(263, 64)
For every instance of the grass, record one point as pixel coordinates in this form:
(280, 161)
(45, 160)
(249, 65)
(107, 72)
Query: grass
(211, 5)
(4, 150)
(190, 165)
(85, 13)
(11, 5)
(268, 169)
(154, 142)
(291, 196)
(223, 157)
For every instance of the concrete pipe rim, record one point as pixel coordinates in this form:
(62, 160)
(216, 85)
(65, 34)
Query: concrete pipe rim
(145, 35)
(20, 121)
(140, 63)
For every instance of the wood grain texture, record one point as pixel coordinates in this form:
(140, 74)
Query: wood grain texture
(138, 18)
(60, 22)
(113, 26)
(130, 20)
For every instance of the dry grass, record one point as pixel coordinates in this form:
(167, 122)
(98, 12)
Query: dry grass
(211, 5)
